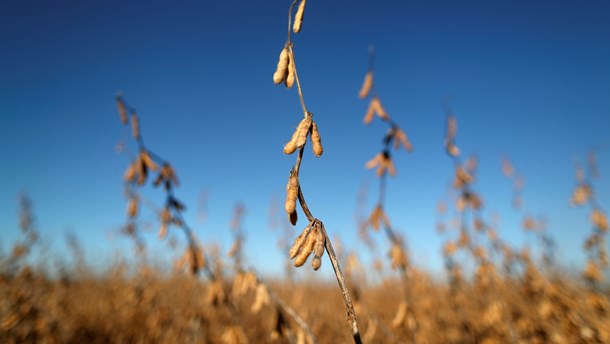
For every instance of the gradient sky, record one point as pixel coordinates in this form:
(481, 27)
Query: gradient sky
(529, 79)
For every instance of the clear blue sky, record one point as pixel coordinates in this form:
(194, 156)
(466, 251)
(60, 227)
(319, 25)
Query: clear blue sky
(529, 79)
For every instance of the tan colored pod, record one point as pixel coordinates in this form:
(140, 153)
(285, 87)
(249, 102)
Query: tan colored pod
(298, 18)
(453, 150)
(379, 109)
(262, 298)
(291, 71)
(318, 249)
(282, 67)
(291, 146)
(132, 207)
(375, 161)
(141, 171)
(316, 140)
(599, 220)
(316, 262)
(302, 256)
(130, 172)
(366, 85)
(298, 243)
(147, 160)
(135, 125)
(299, 137)
(303, 129)
(370, 112)
(292, 192)
(401, 315)
(122, 111)
(400, 138)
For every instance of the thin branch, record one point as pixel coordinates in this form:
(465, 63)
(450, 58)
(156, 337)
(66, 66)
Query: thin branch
(351, 313)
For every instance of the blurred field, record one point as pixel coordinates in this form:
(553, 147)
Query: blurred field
(153, 307)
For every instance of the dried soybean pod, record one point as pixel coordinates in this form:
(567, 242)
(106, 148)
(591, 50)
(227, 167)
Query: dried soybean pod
(302, 256)
(316, 140)
(299, 137)
(146, 159)
(368, 117)
(316, 262)
(122, 111)
(130, 172)
(135, 125)
(366, 86)
(142, 171)
(303, 130)
(298, 242)
(298, 18)
(292, 192)
(379, 109)
(132, 207)
(282, 65)
(318, 250)
(290, 77)
(291, 146)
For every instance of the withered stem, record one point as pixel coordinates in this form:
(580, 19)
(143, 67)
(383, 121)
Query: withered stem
(347, 299)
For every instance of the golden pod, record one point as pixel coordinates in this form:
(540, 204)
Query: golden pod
(291, 146)
(379, 110)
(282, 66)
(262, 298)
(132, 207)
(400, 138)
(318, 249)
(366, 85)
(599, 220)
(462, 178)
(452, 149)
(370, 112)
(298, 18)
(122, 111)
(298, 243)
(375, 161)
(291, 72)
(130, 173)
(401, 315)
(135, 126)
(147, 160)
(316, 262)
(141, 171)
(316, 140)
(302, 256)
(292, 192)
(303, 130)
(299, 137)
(389, 166)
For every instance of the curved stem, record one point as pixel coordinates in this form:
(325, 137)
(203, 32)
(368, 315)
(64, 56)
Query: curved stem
(290, 18)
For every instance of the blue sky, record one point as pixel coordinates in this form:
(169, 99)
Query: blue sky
(529, 79)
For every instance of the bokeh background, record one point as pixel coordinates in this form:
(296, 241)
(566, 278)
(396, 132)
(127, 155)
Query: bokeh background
(529, 80)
